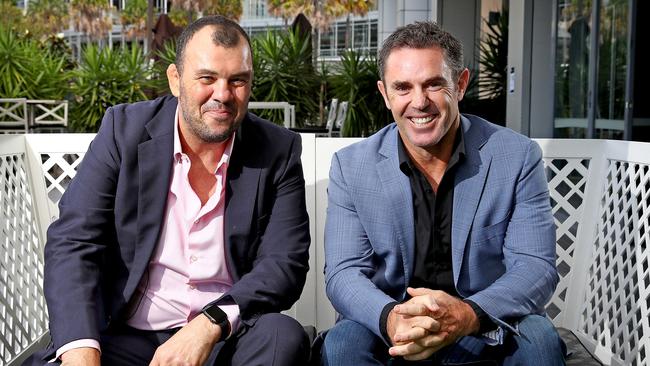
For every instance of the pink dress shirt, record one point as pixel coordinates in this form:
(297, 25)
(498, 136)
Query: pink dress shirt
(188, 268)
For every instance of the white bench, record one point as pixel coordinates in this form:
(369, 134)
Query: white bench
(600, 194)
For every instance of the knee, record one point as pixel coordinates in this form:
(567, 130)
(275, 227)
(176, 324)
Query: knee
(289, 332)
(346, 342)
(538, 335)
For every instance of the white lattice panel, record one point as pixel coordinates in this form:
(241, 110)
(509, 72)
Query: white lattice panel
(615, 311)
(23, 315)
(58, 170)
(567, 180)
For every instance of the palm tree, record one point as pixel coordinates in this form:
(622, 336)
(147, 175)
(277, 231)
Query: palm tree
(229, 8)
(91, 17)
(321, 13)
(48, 16)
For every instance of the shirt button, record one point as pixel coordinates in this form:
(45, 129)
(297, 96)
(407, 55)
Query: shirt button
(193, 259)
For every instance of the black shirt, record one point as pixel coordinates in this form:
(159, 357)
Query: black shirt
(432, 216)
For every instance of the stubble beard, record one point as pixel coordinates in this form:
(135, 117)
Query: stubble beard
(201, 129)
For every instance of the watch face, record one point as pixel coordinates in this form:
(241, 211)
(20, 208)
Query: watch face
(216, 314)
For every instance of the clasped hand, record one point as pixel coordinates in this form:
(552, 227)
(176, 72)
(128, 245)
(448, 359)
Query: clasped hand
(427, 322)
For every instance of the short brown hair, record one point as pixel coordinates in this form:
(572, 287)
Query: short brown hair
(421, 35)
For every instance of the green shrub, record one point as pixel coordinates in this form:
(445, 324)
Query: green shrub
(284, 73)
(166, 56)
(107, 77)
(29, 70)
(355, 81)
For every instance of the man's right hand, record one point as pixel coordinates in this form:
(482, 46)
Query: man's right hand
(85, 356)
(403, 329)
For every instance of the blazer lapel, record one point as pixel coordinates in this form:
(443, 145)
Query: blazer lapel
(397, 192)
(241, 193)
(155, 160)
(469, 186)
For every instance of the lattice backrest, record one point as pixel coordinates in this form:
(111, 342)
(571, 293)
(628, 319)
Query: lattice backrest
(23, 314)
(567, 181)
(600, 193)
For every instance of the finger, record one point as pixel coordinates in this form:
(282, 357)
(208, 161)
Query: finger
(410, 334)
(412, 309)
(418, 291)
(426, 353)
(427, 323)
(435, 340)
(406, 349)
(427, 299)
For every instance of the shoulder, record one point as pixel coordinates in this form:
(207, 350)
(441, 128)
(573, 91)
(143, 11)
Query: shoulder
(142, 112)
(501, 142)
(371, 149)
(261, 131)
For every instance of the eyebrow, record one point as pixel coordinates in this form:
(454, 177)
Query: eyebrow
(436, 80)
(243, 74)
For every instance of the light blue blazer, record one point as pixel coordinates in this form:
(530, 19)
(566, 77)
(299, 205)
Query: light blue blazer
(503, 235)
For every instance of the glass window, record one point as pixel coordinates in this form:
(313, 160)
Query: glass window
(360, 40)
(612, 69)
(572, 68)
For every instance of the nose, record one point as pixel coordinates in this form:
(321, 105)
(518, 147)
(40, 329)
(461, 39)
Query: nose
(420, 99)
(221, 91)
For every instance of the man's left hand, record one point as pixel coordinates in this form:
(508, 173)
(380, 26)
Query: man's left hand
(190, 346)
(455, 317)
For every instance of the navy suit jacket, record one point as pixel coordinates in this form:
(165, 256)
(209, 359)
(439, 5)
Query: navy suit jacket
(112, 212)
(503, 235)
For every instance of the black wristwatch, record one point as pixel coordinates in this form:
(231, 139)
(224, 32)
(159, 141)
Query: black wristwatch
(218, 317)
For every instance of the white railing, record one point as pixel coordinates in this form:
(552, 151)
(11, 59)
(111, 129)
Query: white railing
(289, 110)
(600, 194)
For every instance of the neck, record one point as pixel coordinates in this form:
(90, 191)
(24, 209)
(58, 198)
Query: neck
(209, 153)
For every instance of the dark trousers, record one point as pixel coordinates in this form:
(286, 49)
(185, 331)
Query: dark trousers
(275, 339)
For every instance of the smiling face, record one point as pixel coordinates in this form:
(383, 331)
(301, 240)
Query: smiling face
(420, 90)
(214, 87)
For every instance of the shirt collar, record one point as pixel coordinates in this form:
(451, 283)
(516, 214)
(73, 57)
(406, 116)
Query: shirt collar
(406, 164)
(178, 149)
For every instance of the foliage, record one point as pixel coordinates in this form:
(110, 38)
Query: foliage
(47, 16)
(28, 70)
(487, 91)
(356, 83)
(134, 18)
(165, 57)
(91, 17)
(284, 72)
(319, 12)
(104, 78)
(188, 9)
(229, 8)
(11, 17)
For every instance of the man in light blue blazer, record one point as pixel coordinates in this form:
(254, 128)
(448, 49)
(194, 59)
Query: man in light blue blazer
(439, 241)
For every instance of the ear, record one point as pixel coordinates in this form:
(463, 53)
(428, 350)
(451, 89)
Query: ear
(463, 81)
(174, 79)
(382, 90)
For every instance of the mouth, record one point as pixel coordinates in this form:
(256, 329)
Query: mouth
(420, 121)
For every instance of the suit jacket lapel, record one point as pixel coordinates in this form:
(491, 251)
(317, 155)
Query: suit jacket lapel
(397, 192)
(155, 160)
(469, 186)
(241, 193)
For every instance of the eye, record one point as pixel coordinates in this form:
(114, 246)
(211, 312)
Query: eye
(206, 79)
(435, 87)
(239, 82)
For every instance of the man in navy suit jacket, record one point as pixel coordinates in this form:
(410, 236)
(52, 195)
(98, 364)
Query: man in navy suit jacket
(104, 251)
(439, 241)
